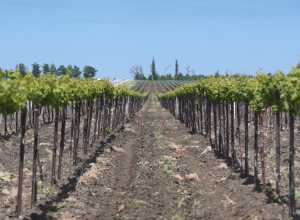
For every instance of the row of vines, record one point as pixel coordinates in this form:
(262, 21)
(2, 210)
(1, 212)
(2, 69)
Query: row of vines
(89, 100)
(215, 106)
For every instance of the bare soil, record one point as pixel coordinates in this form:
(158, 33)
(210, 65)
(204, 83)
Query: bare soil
(151, 167)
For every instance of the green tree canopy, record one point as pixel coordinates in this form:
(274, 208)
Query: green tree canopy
(36, 70)
(61, 71)
(46, 68)
(89, 71)
(53, 69)
(75, 72)
(22, 68)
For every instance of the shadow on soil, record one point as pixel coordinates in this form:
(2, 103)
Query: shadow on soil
(49, 207)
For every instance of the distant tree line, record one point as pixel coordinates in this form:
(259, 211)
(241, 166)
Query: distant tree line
(138, 74)
(37, 70)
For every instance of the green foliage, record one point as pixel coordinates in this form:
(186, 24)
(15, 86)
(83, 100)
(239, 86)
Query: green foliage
(53, 69)
(280, 91)
(75, 72)
(166, 170)
(89, 71)
(22, 69)
(48, 90)
(46, 68)
(39, 184)
(62, 70)
(275, 197)
(36, 70)
(47, 192)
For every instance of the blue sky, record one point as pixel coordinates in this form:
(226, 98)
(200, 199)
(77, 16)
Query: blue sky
(237, 36)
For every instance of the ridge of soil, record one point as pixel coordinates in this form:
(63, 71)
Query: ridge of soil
(152, 167)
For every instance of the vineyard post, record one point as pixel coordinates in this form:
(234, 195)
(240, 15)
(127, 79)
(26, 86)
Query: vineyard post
(71, 135)
(17, 122)
(76, 125)
(227, 130)
(215, 122)
(5, 125)
(232, 133)
(109, 115)
(200, 106)
(54, 146)
(292, 208)
(220, 128)
(105, 112)
(90, 116)
(224, 130)
(246, 139)
(62, 141)
(85, 126)
(35, 146)
(277, 173)
(96, 122)
(100, 116)
(255, 148)
(21, 162)
(239, 131)
(263, 150)
(209, 121)
(32, 114)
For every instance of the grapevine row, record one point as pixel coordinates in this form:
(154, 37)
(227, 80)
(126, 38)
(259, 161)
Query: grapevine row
(82, 97)
(216, 97)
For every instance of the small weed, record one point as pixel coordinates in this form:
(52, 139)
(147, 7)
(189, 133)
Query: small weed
(177, 202)
(54, 215)
(170, 160)
(271, 154)
(47, 192)
(177, 217)
(287, 175)
(297, 194)
(195, 207)
(39, 185)
(251, 153)
(1, 179)
(152, 110)
(184, 137)
(166, 170)
(125, 217)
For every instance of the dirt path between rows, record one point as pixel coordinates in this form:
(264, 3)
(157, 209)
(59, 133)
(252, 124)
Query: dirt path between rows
(153, 168)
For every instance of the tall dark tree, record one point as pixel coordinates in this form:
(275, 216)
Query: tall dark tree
(76, 72)
(46, 68)
(176, 70)
(53, 69)
(36, 69)
(155, 75)
(62, 70)
(22, 69)
(89, 71)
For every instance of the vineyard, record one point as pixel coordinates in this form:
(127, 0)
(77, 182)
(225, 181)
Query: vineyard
(220, 148)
